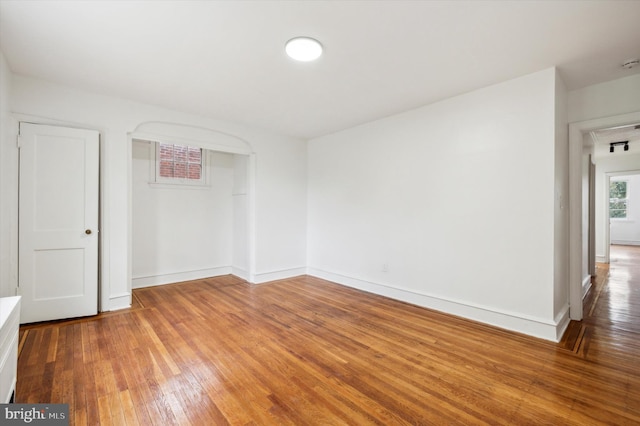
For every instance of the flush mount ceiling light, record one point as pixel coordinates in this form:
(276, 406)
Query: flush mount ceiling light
(303, 49)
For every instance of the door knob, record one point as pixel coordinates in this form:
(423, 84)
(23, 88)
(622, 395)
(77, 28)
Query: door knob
(88, 232)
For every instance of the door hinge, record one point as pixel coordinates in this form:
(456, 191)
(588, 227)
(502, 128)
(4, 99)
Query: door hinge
(18, 142)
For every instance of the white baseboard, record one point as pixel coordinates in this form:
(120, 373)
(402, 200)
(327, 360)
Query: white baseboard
(601, 259)
(119, 301)
(626, 243)
(562, 321)
(586, 285)
(240, 273)
(278, 275)
(150, 281)
(532, 326)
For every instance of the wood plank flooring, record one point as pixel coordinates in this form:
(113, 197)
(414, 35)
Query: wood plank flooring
(309, 352)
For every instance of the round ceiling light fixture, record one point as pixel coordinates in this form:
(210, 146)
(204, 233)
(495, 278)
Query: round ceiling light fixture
(304, 49)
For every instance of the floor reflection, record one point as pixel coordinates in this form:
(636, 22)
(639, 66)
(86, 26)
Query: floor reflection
(622, 293)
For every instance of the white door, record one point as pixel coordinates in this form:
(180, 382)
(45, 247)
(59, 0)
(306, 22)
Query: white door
(58, 231)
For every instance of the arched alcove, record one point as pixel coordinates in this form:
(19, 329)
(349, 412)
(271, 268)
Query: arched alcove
(220, 144)
(192, 135)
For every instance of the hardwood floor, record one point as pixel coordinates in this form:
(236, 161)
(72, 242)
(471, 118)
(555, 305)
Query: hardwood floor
(305, 351)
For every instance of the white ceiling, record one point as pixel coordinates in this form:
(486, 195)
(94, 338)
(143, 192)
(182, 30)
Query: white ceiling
(226, 60)
(630, 133)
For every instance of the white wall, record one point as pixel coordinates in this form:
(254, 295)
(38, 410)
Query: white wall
(627, 231)
(561, 206)
(8, 186)
(240, 260)
(449, 206)
(280, 189)
(607, 99)
(179, 232)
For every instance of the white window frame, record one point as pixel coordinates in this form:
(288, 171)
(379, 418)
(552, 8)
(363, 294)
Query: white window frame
(619, 219)
(158, 181)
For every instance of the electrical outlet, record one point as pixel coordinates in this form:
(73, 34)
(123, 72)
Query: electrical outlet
(385, 267)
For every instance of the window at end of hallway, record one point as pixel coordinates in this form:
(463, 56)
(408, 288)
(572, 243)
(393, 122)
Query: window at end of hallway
(618, 199)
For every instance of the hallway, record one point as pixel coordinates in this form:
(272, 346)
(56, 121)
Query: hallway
(610, 331)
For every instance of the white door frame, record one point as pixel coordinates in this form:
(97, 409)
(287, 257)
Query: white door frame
(592, 218)
(576, 143)
(202, 138)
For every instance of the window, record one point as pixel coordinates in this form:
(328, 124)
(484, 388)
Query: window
(179, 164)
(618, 199)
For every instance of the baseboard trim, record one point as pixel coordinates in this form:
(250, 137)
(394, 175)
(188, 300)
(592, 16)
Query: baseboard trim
(562, 321)
(120, 301)
(626, 243)
(240, 273)
(154, 280)
(278, 275)
(586, 285)
(532, 326)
